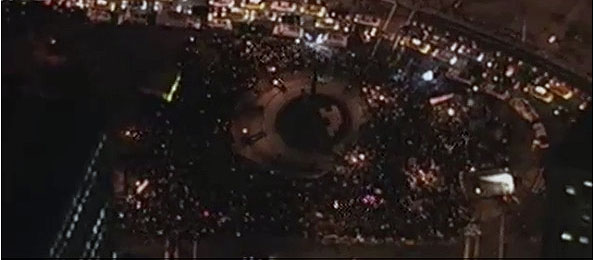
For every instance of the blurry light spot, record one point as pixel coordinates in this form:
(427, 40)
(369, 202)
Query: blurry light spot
(566, 236)
(570, 190)
(453, 60)
(451, 111)
(552, 39)
(428, 75)
(480, 57)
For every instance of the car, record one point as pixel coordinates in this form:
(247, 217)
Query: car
(253, 4)
(561, 89)
(221, 3)
(239, 15)
(367, 20)
(491, 90)
(541, 93)
(286, 30)
(541, 139)
(283, 6)
(336, 40)
(416, 44)
(313, 10)
(522, 107)
(219, 23)
(327, 24)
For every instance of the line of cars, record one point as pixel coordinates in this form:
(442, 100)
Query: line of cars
(251, 10)
(223, 14)
(313, 18)
(529, 114)
(494, 73)
(457, 54)
(498, 70)
(545, 90)
(168, 13)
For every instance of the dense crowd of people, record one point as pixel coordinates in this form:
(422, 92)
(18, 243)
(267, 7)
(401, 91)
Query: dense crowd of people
(397, 183)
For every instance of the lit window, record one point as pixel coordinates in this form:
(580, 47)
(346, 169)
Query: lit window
(570, 190)
(566, 236)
